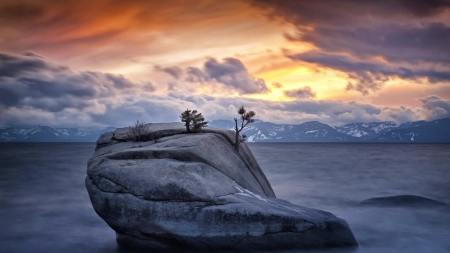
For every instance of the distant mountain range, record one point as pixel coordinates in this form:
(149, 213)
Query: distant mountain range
(260, 131)
(314, 131)
(48, 134)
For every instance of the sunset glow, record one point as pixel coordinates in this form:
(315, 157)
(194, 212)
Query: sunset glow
(91, 63)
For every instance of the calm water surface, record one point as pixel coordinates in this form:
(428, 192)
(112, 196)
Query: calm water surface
(44, 206)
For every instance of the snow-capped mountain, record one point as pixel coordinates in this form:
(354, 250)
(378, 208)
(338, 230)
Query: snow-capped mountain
(314, 131)
(260, 131)
(419, 131)
(412, 124)
(366, 130)
(48, 134)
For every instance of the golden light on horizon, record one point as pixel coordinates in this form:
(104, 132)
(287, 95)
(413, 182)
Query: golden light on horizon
(394, 61)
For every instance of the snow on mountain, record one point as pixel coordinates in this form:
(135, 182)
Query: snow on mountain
(412, 124)
(366, 130)
(314, 131)
(260, 131)
(48, 134)
(419, 131)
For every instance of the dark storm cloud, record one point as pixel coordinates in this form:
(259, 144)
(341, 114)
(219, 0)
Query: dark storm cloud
(8, 97)
(337, 13)
(368, 76)
(174, 71)
(58, 104)
(424, 8)
(15, 65)
(426, 43)
(305, 92)
(33, 81)
(408, 35)
(231, 72)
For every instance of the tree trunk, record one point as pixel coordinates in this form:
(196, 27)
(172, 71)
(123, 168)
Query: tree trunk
(188, 127)
(236, 140)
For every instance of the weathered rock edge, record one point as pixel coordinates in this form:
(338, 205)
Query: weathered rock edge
(403, 201)
(195, 191)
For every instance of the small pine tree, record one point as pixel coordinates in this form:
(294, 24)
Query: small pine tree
(246, 118)
(193, 121)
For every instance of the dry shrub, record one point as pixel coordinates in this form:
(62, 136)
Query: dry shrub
(141, 132)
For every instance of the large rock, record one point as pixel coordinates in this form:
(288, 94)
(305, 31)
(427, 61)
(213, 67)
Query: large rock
(195, 191)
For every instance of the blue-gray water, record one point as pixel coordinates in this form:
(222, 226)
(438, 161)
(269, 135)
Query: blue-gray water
(44, 206)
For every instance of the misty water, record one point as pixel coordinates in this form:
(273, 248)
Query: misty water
(44, 206)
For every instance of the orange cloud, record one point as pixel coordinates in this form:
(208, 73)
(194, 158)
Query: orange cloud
(62, 29)
(131, 37)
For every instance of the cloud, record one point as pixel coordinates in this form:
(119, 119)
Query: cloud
(171, 86)
(17, 12)
(110, 34)
(371, 41)
(277, 85)
(368, 76)
(167, 108)
(46, 93)
(149, 87)
(346, 12)
(301, 93)
(33, 81)
(174, 71)
(333, 112)
(435, 107)
(55, 94)
(396, 43)
(15, 65)
(231, 72)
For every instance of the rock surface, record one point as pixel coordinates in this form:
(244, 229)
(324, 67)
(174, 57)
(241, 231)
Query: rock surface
(195, 191)
(403, 201)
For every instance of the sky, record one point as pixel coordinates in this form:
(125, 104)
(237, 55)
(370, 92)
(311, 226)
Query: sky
(105, 63)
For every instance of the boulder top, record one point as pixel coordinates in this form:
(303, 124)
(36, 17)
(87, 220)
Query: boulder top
(210, 146)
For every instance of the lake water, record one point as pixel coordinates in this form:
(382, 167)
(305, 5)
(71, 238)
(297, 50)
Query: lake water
(44, 206)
